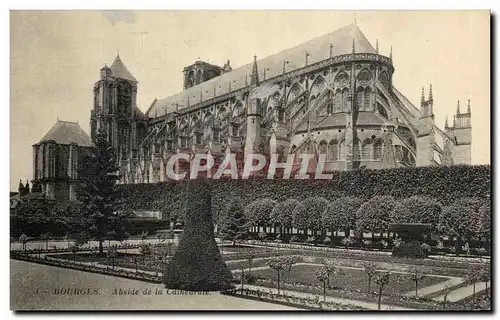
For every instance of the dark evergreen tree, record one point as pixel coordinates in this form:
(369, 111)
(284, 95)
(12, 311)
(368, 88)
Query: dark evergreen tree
(234, 226)
(100, 212)
(197, 264)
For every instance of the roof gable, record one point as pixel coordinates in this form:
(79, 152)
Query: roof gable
(65, 132)
(318, 49)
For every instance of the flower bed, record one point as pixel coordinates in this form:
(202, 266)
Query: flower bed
(142, 276)
(290, 300)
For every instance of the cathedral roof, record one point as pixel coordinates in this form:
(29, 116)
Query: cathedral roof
(118, 70)
(339, 119)
(66, 132)
(318, 49)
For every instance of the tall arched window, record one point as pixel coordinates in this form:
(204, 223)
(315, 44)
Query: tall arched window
(366, 149)
(338, 101)
(367, 98)
(356, 150)
(359, 98)
(345, 93)
(323, 147)
(377, 150)
(333, 150)
(342, 150)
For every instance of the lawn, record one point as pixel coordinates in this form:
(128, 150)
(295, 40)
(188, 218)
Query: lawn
(348, 279)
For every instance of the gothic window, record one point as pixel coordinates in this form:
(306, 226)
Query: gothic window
(359, 98)
(342, 150)
(235, 129)
(341, 80)
(198, 77)
(333, 149)
(405, 155)
(216, 134)
(377, 150)
(338, 101)
(198, 137)
(384, 79)
(412, 142)
(281, 115)
(329, 106)
(294, 93)
(318, 87)
(367, 97)
(345, 105)
(184, 142)
(170, 145)
(366, 151)
(364, 78)
(356, 152)
(399, 153)
(323, 147)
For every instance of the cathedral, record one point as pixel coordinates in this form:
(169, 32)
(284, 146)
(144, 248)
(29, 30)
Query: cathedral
(332, 95)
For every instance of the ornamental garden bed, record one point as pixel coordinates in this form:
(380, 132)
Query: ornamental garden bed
(347, 279)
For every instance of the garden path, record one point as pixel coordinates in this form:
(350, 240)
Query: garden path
(363, 304)
(462, 293)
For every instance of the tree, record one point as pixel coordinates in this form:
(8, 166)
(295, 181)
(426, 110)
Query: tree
(23, 239)
(98, 195)
(234, 225)
(473, 276)
(278, 265)
(143, 235)
(382, 279)
(112, 253)
(145, 250)
(289, 262)
(417, 209)
(340, 215)
(416, 275)
(464, 219)
(281, 215)
(485, 276)
(375, 214)
(197, 264)
(251, 255)
(314, 208)
(74, 249)
(370, 271)
(46, 236)
(322, 277)
(258, 212)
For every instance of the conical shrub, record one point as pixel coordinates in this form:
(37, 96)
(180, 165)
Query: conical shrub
(197, 264)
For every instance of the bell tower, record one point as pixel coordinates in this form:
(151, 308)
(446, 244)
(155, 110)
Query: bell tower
(114, 107)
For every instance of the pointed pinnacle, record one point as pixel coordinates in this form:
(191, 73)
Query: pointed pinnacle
(390, 54)
(468, 106)
(458, 107)
(422, 97)
(353, 46)
(446, 122)
(430, 92)
(376, 47)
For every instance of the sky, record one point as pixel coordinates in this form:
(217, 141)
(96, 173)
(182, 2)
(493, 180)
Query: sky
(55, 58)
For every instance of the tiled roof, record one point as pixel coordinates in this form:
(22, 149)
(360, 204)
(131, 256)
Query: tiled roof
(65, 132)
(118, 70)
(318, 50)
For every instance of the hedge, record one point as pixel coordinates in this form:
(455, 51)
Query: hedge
(443, 183)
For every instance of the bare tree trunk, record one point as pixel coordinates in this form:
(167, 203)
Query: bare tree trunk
(101, 249)
(369, 284)
(379, 297)
(324, 291)
(474, 293)
(416, 289)
(278, 282)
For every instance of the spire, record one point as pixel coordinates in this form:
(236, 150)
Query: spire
(390, 54)
(376, 47)
(458, 106)
(446, 122)
(468, 106)
(353, 46)
(430, 90)
(20, 185)
(118, 54)
(254, 80)
(422, 97)
(454, 120)
(331, 50)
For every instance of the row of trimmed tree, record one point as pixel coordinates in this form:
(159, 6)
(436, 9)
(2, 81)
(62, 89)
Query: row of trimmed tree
(466, 217)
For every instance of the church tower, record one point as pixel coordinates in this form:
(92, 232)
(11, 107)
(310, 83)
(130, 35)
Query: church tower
(253, 115)
(462, 134)
(115, 107)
